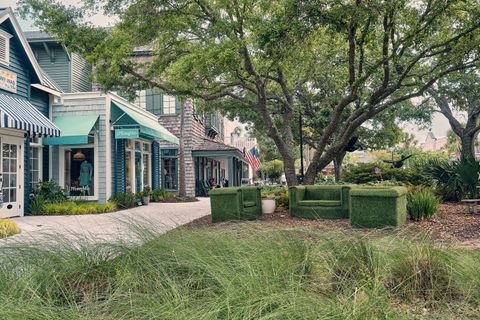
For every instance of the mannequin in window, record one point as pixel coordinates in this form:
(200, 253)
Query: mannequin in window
(86, 172)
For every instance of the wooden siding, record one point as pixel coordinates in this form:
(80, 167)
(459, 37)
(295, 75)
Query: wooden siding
(87, 106)
(58, 69)
(19, 63)
(81, 72)
(40, 100)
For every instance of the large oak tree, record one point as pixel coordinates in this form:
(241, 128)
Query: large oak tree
(270, 61)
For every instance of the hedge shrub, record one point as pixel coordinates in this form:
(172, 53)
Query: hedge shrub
(160, 194)
(280, 193)
(124, 200)
(363, 173)
(8, 228)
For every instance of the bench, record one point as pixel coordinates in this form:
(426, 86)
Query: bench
(472, 205)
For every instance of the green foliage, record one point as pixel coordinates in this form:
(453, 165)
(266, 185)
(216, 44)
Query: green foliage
(422, 204)
(279, 193)
(8, 228)
(50, 192)
(273, 169)
(235, 203)
(124, 200)
(378, 207)
(242, 272)
(76, 208)
(456, 180)
(160, 194)
(362, 173)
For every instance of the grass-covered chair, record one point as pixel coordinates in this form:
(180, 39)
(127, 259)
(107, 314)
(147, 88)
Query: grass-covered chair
(330, 202)
(377, 207)
(235, 203)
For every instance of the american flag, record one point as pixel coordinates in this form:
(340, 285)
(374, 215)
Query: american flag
(253, 157)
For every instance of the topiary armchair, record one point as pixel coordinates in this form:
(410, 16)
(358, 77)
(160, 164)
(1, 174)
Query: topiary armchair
(330, 202)
(235, 203)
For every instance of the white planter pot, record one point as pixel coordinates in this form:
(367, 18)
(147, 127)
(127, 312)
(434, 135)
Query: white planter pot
(268, 205)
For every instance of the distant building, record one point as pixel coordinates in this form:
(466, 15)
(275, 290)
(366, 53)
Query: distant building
(433, 143)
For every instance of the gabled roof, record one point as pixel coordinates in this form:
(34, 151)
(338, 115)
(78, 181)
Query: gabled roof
(7, 14)
(207, 147)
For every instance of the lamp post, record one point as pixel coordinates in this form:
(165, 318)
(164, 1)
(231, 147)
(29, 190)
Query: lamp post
(300, 135)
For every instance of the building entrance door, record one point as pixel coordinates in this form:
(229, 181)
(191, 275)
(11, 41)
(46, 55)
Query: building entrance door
(11, 155)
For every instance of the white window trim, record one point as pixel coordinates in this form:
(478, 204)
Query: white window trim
(61, 160)
(132, 152)
(7, 37)
(38, 145)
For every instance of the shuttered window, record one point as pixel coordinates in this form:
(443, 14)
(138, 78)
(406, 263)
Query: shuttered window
(4, 47)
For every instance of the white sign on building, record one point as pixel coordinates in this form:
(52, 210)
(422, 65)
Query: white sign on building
(8, 81)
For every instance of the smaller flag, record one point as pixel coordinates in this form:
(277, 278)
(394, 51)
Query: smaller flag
(253, 157)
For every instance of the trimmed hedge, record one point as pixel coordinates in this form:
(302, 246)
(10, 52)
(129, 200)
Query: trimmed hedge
(373, 207)
(312, 202)
(8, 228)
(235, 203)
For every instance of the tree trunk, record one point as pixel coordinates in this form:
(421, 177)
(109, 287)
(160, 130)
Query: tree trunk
(289, 169)
(182, 192)
(468, 146)
(337, 164)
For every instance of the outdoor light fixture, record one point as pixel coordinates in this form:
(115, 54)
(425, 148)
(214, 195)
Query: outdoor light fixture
(79, 156)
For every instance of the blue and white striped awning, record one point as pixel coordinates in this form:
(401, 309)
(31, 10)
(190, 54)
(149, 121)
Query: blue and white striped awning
(21, 114)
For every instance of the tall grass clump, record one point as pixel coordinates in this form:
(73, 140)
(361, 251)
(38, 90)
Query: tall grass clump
(242, 273)
(422, 204)
(8, 228)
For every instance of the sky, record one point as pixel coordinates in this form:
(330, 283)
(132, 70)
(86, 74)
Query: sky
(439, 127)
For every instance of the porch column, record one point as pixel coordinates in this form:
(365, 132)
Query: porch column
(120, 176)
(26, 176)
(156, 165)
(231, 172)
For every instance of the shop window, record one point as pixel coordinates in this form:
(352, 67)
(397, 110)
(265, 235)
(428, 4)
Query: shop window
(129, 171)
(79, 172)
(9, 166)
(35, 166)
(146, 170)
(170, 173)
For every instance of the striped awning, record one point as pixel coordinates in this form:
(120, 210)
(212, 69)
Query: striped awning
(21, 114)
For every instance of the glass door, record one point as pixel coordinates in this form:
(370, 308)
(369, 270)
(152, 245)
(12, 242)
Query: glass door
(12, 176)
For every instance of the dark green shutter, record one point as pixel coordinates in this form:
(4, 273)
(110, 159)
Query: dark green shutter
(26, 176)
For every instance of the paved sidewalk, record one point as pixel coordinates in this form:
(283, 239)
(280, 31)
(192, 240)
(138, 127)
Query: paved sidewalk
(126, 225)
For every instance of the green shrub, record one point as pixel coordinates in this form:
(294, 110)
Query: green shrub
(8, 228)
(455, 180)
(279, 193)
(422, 204)
(273, 169)
(363, 173)
(124, 200)
(49, 191)
(37, 205)
(161, 194)
(78, 208)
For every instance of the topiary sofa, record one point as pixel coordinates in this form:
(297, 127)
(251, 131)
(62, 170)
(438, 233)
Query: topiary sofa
(373, 207)
(312, 202)
(235, 203)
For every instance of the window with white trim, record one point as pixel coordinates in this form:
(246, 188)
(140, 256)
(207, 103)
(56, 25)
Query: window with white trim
(5, 47)
(35, 163)
(169, 104)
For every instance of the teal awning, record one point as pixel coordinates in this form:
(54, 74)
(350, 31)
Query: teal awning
(145, 121)
(74, 130)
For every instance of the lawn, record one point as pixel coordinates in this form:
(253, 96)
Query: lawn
(243, 271)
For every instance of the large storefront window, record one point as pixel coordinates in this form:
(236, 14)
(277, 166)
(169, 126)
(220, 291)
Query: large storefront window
(138, 157)
(170, 169)
(79, 172)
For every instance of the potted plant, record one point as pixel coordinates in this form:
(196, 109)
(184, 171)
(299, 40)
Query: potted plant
(269, 203)
(145, 196)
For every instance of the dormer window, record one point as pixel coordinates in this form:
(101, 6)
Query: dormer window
(5, 47)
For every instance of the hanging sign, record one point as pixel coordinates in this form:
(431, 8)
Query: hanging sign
(127, 133)
(8, 81)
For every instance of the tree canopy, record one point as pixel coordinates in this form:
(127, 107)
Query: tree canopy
(337, 62)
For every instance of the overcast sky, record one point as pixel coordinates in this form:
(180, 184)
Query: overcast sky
(440, 124)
